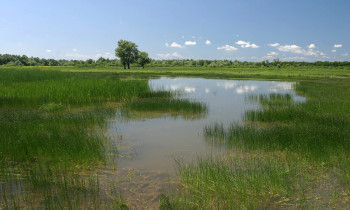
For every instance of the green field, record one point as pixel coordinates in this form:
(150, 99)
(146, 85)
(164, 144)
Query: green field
(294, 155)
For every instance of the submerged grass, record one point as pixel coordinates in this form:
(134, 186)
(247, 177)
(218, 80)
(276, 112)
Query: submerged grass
(292, 154)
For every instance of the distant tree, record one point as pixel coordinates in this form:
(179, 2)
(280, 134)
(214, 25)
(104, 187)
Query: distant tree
(127, 52)
(90, 61)
(143, 59)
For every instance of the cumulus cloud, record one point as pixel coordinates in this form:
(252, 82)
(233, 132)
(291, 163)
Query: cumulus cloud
(272, 53)
(169, 55)
(274, 45)
(246, 44)
(208, 42)
(190, 43)
(322, 53)
(312, 46)
(48, 51)
(345, 54)
(290, 48)
(174, 44)
(296, 49)
(333, 51)
(338, 45)
(75, 50)
(227, 48)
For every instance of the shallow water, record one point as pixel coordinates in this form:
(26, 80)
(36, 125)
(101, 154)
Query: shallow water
(150, 146)
(154, 143)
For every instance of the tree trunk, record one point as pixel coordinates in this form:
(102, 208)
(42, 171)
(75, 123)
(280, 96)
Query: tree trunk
(124, 66)
(128, 65)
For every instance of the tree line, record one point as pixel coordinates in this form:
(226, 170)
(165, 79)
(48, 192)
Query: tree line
(23, 60)
(128, 54)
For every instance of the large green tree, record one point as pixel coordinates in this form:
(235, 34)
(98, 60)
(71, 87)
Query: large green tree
(143, 59)
(127, 52)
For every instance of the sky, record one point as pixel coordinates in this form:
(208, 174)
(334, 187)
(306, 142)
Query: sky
(246, 30)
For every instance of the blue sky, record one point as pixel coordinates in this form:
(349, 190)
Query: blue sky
(251, 30)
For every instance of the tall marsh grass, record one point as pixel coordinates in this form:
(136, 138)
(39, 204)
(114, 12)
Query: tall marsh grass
(293, 155)
(51, 140)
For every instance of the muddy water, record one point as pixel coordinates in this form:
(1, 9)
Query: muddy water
(149, 146)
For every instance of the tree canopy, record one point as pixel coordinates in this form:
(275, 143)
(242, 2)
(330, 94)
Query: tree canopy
(143, 59)
(127, 52)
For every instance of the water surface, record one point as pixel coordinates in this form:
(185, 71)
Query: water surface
(154, 143)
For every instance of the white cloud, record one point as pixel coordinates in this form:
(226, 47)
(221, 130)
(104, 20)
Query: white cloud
(75, 50)
(48, 51)
(174, 44)
(274, 45)
(169, 55)
(312, 46)
(246, 44)
(296, 49)
(272, 53)
(345, 54)
(227, 48)
(193, 37)
(310, 52)
(190, 43)
(322, 53)
(290, 48)
(338, 45)
(333, 51)
(208, 42)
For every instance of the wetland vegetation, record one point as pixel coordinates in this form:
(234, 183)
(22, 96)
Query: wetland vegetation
(284, 154)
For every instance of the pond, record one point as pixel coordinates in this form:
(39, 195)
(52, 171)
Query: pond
(154, 143)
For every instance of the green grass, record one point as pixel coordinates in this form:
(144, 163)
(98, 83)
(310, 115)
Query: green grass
(285, 154)
(286, 73)
(51, 126)
(172, 106)
(233, 182)
(65, 88)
